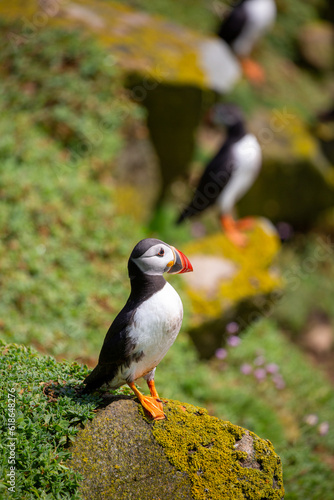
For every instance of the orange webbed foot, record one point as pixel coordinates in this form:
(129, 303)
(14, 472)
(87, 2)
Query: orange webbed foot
(253, 71)
(154, 407)
(232, 232)
(245, 224)
(152, 404)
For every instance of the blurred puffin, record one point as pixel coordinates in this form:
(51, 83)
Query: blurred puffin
(243, 27)
(229, 175)
(146, 327)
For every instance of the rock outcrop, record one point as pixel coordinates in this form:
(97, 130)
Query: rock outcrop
(152, 46)
(230, 284)
(189, 455)
(296, 184)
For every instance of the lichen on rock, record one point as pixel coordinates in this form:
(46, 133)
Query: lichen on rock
(222, 460)
(245, 292)
(138, 42)
(189, 455)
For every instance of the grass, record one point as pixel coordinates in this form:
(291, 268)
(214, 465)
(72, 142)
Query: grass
(61, 227)
(43, 428)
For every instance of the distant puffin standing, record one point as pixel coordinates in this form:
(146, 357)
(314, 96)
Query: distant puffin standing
(229, 175)
(243, 27)
(146, 327)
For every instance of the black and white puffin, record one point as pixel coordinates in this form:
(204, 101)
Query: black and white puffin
(146, 327)
(243, 27)
(229, 175)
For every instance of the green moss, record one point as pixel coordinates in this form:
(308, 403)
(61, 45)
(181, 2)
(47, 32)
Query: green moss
(204, 448)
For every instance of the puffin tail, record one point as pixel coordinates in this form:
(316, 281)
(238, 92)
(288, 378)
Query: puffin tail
(185, 214)
(99, 376)
(181, 218)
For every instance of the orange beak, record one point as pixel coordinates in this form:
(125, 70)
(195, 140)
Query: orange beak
(181, 263)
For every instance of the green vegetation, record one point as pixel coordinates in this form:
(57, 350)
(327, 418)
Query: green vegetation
(59, 220)
(43, 426)
(67, 226)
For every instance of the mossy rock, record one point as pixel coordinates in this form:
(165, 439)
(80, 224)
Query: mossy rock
(316, 42)
(230, 283)
(189, 455)
(138, 42)
(295, 184)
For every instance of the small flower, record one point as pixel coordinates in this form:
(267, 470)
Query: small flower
(246, 369)
(259, 361)
(260, 374)
(221, 353)
(285, 230)
(278, 381)
(272, 368)
(233, 341)
(232, 328)
(311, 419)
(323, 428)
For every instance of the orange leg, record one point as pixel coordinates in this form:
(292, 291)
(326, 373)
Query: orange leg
(153, 391)
(232, 231)
(245, 224)
(253, 70)
(152, 404)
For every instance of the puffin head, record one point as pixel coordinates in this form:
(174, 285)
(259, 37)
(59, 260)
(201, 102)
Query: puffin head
(228, 115)
(154, 257)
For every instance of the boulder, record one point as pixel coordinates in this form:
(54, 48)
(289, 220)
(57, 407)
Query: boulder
(316, 42)
(154, 47)
(189, 455)
(230, 284)
(160, 61)
(295, 185)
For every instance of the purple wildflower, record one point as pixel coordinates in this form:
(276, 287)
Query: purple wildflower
(232, 328)
(233, 341)
(259, 361)
(246, 369)
(311, 419)
(272, 368)
(279, 382)
(221, 353)
(323, 428)
(260, 374)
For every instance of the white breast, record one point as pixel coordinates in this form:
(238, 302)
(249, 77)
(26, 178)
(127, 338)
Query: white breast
(246, 166)
(155, 327)
(260, 16)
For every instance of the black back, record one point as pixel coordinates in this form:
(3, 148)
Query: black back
(215, 176)
(233, 24)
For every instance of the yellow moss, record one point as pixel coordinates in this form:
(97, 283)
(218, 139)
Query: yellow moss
(129, 202)
(253, 275)
(303, 144)
(203, 447)
(147, 46)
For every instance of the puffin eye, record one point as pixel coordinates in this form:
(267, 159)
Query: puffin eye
(161, 252)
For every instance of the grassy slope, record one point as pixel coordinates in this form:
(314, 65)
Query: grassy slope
(63, 251)
(42, 428)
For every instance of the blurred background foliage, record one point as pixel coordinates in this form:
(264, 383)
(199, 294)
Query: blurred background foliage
(70, 215)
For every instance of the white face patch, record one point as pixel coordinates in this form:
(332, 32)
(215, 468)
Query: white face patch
(154, 261)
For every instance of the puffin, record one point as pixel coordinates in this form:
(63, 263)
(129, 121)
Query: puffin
(229, 175)
(146, 327)
(243, 27)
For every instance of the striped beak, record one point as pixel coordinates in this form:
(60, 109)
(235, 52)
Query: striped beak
(181, 263)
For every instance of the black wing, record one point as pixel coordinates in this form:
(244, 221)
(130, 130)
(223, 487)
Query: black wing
(214, 179)
(232, 26)
(115, 351)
